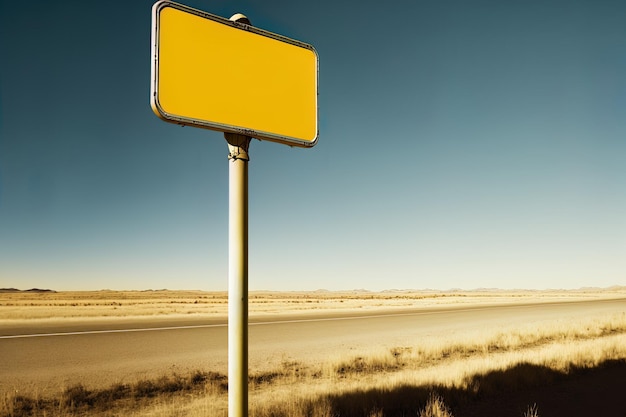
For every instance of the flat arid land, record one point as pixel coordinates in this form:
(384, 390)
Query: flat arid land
(357, 353)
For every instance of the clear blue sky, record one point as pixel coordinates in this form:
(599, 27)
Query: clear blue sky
(462, 144)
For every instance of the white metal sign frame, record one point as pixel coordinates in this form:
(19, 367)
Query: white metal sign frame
(182, 119)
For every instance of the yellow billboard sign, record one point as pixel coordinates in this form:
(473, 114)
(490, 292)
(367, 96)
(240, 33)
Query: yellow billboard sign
(211, 72)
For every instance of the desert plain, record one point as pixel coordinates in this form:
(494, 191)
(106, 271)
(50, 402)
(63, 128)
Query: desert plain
(321, 353)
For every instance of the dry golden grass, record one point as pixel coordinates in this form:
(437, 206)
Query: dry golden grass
(376, 383)
(117, 304)
(111, 304)
(445, 365)
(435, 407)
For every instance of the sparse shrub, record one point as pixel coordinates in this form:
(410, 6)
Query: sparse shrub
(76, 396)
(532, 411)
(117, 392)
(144, 389)
(369, 365)
(264, 378)
(376, 412)
(435, 407)
(17, 405)
(198, 378)
(174, 383)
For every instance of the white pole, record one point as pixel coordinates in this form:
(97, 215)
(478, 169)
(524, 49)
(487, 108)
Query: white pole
(238, 158)
(237, 274)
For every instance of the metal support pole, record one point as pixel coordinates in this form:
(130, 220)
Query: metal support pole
(238, 158)
(237, 274)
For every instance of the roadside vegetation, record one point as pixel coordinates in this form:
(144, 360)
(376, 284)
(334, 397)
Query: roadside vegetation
(442, 377)
(35, 304)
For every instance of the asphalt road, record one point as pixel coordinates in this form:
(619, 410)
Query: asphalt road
(45, 358)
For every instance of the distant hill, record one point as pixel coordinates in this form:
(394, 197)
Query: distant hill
(36, 290)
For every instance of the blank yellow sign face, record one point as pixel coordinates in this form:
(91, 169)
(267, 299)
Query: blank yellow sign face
(211, 72)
